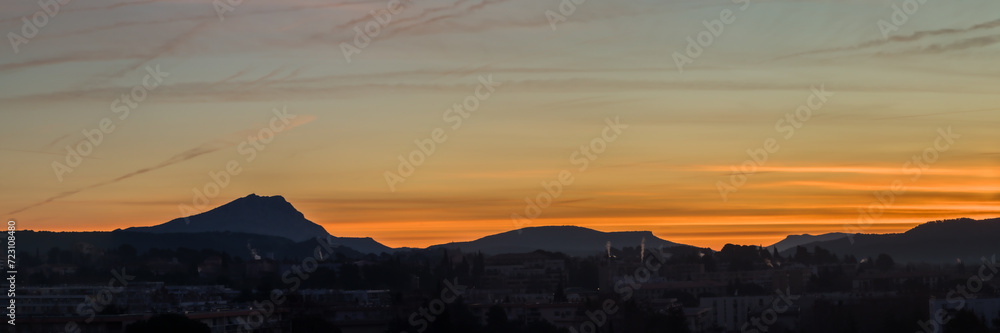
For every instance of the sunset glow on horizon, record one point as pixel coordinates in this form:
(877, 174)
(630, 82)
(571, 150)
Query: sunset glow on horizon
(463, 119)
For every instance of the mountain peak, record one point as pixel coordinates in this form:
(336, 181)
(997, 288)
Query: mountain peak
(265, 215)
(253, 197)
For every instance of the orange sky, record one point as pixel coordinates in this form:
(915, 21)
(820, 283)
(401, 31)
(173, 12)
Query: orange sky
(509, 101)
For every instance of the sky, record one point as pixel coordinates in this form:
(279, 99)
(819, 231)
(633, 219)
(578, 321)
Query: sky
(705, 122)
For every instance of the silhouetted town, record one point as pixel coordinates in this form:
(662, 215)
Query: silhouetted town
(620, 289)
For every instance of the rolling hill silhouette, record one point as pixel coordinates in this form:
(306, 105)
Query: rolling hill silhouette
(576, 241)
(936, 242)
(791, 241)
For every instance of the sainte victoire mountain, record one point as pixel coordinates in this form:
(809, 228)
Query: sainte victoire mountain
(261, 215)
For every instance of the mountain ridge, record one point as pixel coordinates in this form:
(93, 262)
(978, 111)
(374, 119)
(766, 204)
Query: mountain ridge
(274, 216)
(791, 241)
(587, 241)
(260, 215)
(963, 239)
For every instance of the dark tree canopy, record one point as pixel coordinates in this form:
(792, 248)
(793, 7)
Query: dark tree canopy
(168, 323)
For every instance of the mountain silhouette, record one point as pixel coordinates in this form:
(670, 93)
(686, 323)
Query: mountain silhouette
(260, 215)
(936, 242)
(791, 241)
(939, 241)
(571, 240)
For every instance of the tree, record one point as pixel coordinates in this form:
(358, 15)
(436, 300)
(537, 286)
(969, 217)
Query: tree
(675, 321)
(866, 264)
(127, 251)
(850, 259)
(802, 255)
(444, 269)
(313, 323)
(560, 295)
(965, 321)
(823, 256)
(478, 268)
(350, 276)
(167, 323)
(496, 320)
(884, 262)
(542, 326)
(53, 255)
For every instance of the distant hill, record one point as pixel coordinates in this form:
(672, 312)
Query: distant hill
(363, 244)
(935, 242)
(791, 241)
(260, 215)
(571, 240)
